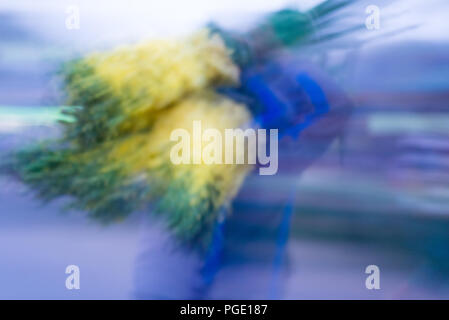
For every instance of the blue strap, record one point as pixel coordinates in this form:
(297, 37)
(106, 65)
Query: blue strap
(213, 257)
(281, 244)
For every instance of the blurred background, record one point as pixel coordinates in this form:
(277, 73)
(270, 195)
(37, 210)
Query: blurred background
(379, 195)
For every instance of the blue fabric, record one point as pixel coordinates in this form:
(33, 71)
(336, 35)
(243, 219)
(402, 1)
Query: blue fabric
(281, 96)
(279, 110)
(273, 107)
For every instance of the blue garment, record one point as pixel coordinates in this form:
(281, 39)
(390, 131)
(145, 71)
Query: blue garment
(281, 96)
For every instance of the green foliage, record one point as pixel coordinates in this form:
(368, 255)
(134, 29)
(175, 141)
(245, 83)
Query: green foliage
(287, 28)
(95, 121)
(188, 214)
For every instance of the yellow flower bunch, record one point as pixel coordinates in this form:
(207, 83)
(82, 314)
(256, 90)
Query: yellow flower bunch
(190, 194)
(146, 152)
(140, 80)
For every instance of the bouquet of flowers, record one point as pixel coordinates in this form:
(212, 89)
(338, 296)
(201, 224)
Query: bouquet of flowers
(113, 156)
